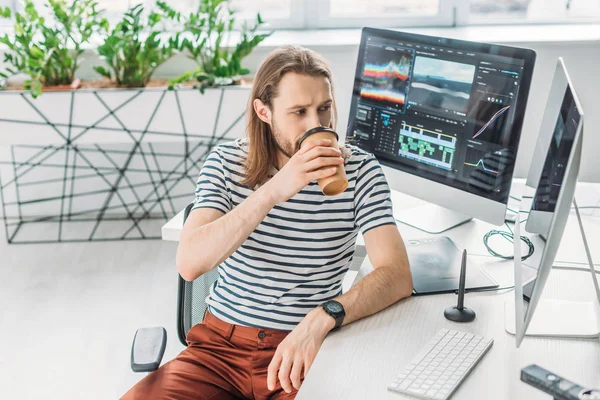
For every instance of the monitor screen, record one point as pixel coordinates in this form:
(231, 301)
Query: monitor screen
(553, 172)
(445, 110)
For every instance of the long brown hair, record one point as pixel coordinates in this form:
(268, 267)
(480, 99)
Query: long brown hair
(262, 152)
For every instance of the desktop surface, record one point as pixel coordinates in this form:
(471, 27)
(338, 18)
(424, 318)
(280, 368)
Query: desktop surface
(360, 360)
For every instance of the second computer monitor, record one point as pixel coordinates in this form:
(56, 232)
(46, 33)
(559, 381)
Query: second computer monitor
(551, 207)
(562, 118)
(444, 118)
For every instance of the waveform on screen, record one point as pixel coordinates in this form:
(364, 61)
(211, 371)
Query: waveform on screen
(494, 117)
(386, 80)
(381, 73)
(383, 95)
(480, 162)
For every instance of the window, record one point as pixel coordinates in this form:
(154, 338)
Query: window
(5, 23)
(384, 13)
(113, 8)
(269, 9)
(314, 14)
(534, 11)
(374, 8)
(281, 14)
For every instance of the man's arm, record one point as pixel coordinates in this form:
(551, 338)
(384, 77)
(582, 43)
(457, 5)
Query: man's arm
(390, 281)
(210, 236)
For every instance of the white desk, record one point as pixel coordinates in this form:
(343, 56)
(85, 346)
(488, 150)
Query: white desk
(359, 361)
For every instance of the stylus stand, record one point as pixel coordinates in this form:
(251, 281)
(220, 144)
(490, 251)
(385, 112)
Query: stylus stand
(456, 315)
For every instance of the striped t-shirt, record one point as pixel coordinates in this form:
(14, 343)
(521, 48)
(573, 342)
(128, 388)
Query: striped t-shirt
(297, 257)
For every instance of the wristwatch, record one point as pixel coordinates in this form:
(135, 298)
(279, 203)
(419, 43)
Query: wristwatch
(336, 310)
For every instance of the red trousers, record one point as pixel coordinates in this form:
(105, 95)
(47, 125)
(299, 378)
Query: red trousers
(222, 361)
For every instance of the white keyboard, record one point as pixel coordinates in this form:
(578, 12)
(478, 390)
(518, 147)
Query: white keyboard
(441, 366)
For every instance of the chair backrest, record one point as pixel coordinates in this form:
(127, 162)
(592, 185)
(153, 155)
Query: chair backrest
(191, 297)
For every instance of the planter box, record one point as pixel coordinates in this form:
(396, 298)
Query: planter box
(107, 164)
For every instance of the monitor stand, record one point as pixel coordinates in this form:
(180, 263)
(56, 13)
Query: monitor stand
(559, 318)
(431, 218)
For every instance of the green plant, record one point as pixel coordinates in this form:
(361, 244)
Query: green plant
(50, 51)
(211, 26)
(134, 49)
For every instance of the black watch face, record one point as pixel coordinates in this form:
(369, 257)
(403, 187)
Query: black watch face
(334, 307)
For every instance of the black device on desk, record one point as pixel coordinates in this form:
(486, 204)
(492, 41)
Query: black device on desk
(558, 387)
(435, 266)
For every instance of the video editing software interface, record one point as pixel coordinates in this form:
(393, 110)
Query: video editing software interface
(440, 113)
(553, 173)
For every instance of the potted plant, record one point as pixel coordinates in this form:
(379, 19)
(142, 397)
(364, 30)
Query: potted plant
(209, 30)
(121, 151)
(49, 51)
(134, 49)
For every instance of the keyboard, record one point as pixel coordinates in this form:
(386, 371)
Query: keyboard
(441, 365)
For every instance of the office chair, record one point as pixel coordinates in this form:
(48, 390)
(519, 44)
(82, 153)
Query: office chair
(149, 344)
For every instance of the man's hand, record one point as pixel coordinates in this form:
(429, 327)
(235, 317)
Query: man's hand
(298, 350)
(314, 161)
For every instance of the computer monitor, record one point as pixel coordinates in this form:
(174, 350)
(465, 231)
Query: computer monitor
(444, 118)
(553, 198)
(546, 173)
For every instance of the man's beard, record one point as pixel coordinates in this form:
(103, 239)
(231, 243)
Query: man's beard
(282, 145)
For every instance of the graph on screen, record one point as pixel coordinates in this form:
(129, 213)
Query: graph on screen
(426, 146)
(484, 169)
(481, 164)
(491, 129)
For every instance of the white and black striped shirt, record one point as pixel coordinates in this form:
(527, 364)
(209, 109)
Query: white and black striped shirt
(297, 257)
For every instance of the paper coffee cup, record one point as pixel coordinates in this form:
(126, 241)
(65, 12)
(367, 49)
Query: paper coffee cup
(335, 184)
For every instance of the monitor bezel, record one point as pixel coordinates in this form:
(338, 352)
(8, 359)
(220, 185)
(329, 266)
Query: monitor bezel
(486, 209)
(539, 221)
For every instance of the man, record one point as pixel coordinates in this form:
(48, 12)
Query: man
(281, 247)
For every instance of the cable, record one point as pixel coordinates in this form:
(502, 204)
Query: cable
(509, 237)
(524, 197)
(574, 262)
(574, 269)
(522, 212)
(577, 269)
(487, 289)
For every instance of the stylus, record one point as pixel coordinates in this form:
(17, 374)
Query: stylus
(461, 283)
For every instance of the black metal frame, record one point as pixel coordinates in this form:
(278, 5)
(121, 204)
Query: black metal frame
(196, 149)
(182, 287)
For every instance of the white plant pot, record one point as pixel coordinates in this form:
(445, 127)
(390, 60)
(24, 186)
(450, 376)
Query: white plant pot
(107, 164)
